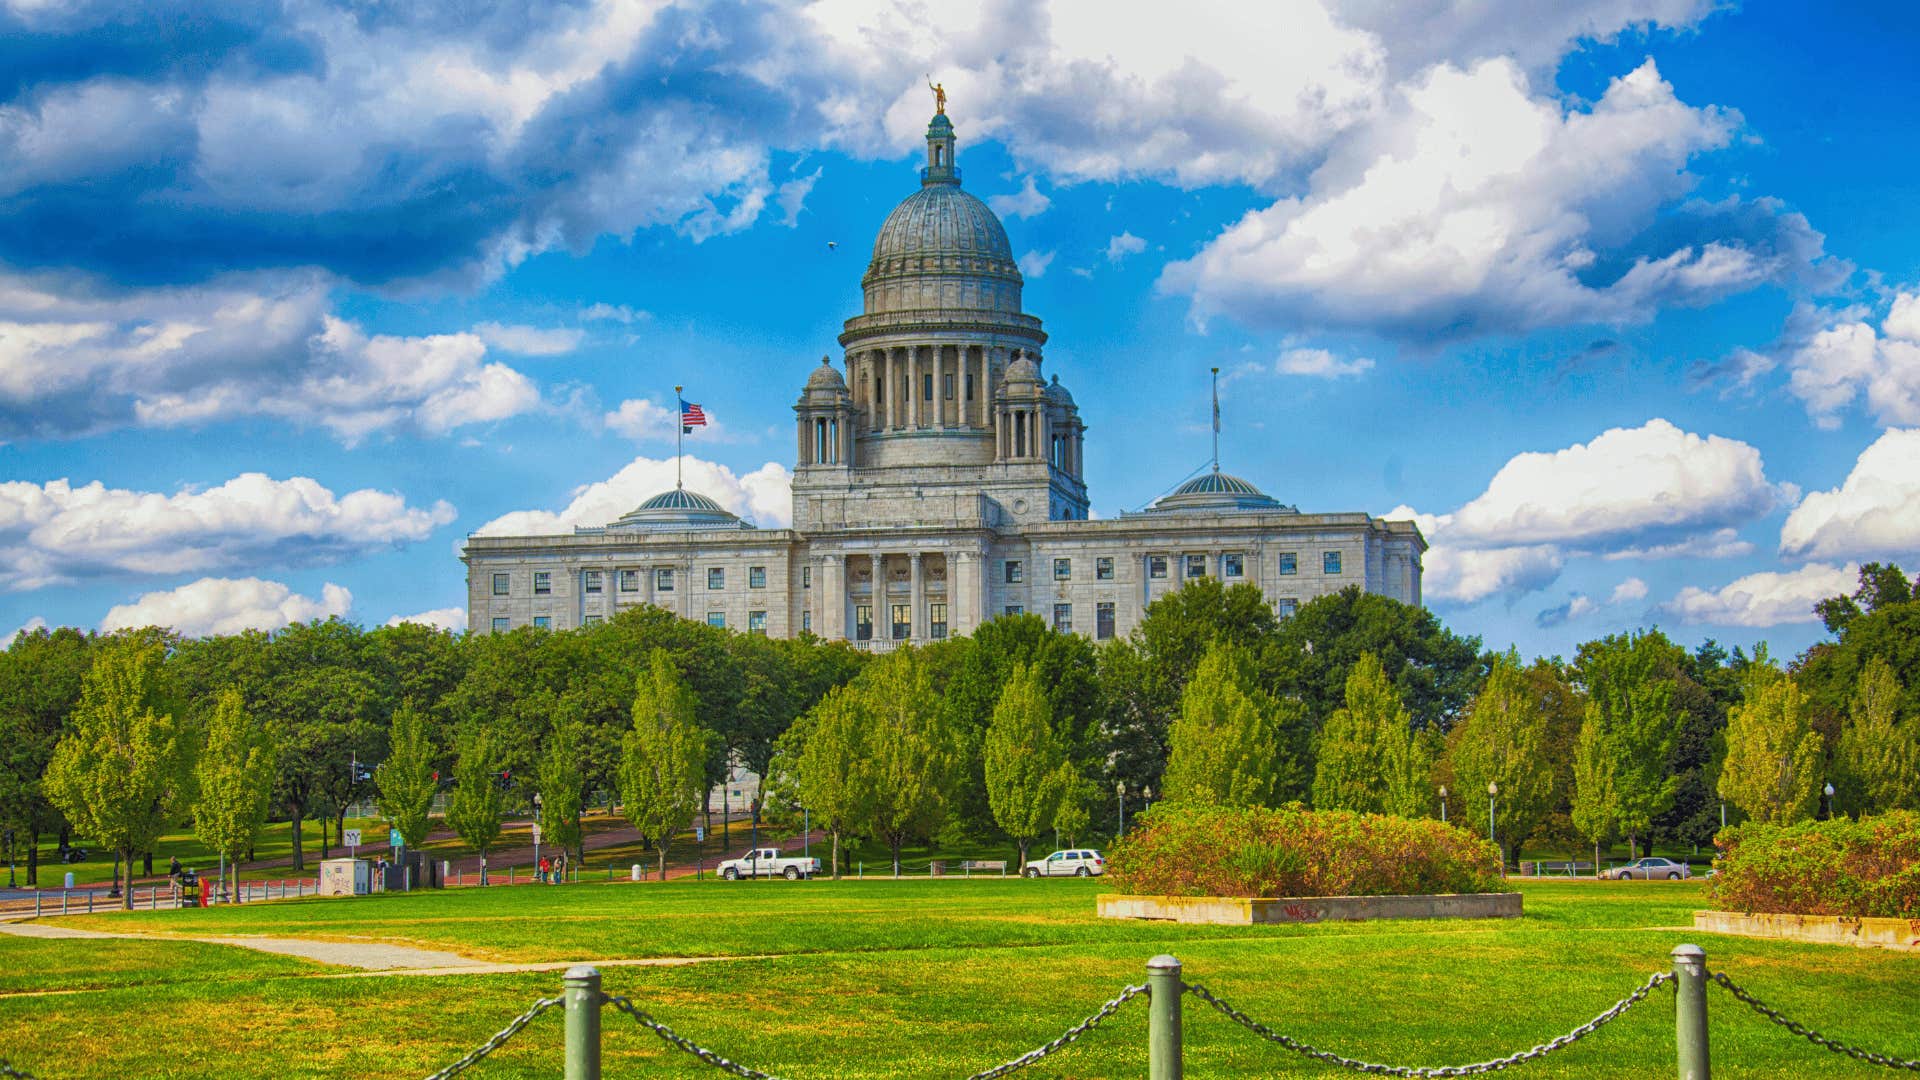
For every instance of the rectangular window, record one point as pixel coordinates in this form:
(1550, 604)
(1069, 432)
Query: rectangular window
(1063, 569)
(543, 622)
(937, 621)
(500, 584)
(592, 578)
(1287, 606)
(946, 388)
(969, 386)
(1196, 566)
(1103, 621)
(1063, 618)
(1289, 563)
(717, 618)
(902, 624)
(501, 626)
(716, 577)
(863, 622)
(593, 620)
(1103, 569)
(1014, 574)
(756, 577)
(806, 622)
(806, 577)
(663, 581)
(1232, 565)
(1330, 562)
(1156, 566)
(1016, 609)
(629, 581)
(543, 583)
(756, 622)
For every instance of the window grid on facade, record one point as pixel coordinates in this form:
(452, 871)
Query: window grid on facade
(1196, 566)
(806, 622)
(756, 622)
(1063, 569)
(937, 621)
(1156, 566)
(863, 622)
(502, 625)
(592, 620)
(1016, 609)
(1287, 606)
(591, 582)
(543, 622)
(1103, 569)
(806, 577)
(1063, 618)
(902, 622)
(1330, 562)
(716, 577)
(501, 584)
(629, 581)
(717, 618)
(756, 577)
(1103, 620)
(1232, 564)
(663, 581)
(1014, 573)
(543, 583)
(1289, 562)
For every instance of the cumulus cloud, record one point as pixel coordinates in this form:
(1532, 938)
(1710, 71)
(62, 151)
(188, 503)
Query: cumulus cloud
(1718, 544)
(1848, 360)
(645, 420)
(1320, 364)
(35, 623)
(763, 496)
(1874, 513)
(1763, 599)
(530, 340)
(1578, 606)
(620, 313)
(1628, 591)
(1028, 202)
(227, 606)
(56, 533)
(446, 618)
(1034, 263)
(1456, 574)
(1119, 247)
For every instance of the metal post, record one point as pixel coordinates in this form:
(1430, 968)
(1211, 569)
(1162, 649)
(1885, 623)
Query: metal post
(1163, 1018)
(582, 1002)
(1690, 1010)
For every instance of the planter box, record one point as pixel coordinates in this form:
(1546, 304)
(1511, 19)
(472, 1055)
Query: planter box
(1249, 911)
(1821, 929)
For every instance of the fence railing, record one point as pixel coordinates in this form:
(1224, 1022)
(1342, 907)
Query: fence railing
(583, 1004)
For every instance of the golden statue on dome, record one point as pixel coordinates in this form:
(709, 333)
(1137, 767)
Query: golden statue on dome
(939, 97)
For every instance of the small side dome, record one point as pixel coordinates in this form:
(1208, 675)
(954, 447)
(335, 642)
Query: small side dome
(1216, 492)
(825, 377)
(673, 510)
(1058, 393)
(1024, 370)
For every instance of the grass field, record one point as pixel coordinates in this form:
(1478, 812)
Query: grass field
(920, 978)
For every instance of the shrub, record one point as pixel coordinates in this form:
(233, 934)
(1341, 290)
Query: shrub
(1177, 850)
(1869, 867)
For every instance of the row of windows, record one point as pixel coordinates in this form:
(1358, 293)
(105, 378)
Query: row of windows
(1103, 615)
(756, 622)
(901, 626)
(1233, 564)
(593, 582)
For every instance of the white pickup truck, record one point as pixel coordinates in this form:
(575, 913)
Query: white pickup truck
(767, 862)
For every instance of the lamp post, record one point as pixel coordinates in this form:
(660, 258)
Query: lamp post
(1829, 792)
(1120, 789)
(1493, 797)
(806, 833)
(1443, 804)
(536, 833)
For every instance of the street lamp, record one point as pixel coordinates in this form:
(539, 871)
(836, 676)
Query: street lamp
(536, 833)
(1443, 804)
(1493, 796)
(1120, 789)
(1829, 790)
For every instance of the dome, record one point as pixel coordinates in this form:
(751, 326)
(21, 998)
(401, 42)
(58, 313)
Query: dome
(1215, 491)
(825, 377)
(674, 509)
(941, 221)
(1058, 393)
(1023, 370)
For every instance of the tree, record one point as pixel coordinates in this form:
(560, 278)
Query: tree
(915, 754)
(478, 799)
(1368, 757)
(1629, 679)
(1773, 766)
(406, 781)
(1881, 619)
(825, 755)
(1312, 653)
(1232, 744)
(562, 787)
(1023, 760)
(663, 757)
(121, 769)
(235, 774)
(1594, 813)
(1503, 742)
(1877, 767)
(1074, 816)
(41, 676)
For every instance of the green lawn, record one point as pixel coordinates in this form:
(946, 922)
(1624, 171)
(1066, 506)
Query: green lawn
(923, 978)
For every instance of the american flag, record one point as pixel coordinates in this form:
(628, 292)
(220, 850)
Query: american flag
(691, 416)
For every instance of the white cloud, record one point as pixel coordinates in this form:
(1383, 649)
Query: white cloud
(620, 313)
(1028, 202)
(1320, 364)
(791, 197)
(1764, 599)
(35, 623)
(644, 420)
(1848, 360)
(1451, 573)
(1578, 606)
(530, 340)
(1874, 513)
(1719, 544)
(763, 496)
(1628, 591)
(1417, 33)
(56, 533)
(446, 618)
(227, 606)
(1119, 247)
(1034, 263)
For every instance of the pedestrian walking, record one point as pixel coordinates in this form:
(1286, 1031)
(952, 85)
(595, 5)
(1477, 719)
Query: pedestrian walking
(546, 867)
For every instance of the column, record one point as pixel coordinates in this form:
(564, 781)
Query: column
(984, 387)
(916, 598)
(916, 411)
(940, 387)
(831, 608)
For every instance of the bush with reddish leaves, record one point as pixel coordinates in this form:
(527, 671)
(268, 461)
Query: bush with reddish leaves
(1864, 868)
(1256, 851)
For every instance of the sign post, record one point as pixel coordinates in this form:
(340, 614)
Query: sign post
(352, 837)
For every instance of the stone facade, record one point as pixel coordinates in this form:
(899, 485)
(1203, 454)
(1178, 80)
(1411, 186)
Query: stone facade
(938, 484)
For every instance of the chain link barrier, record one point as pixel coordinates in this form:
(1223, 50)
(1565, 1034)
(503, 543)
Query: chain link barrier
(1495, 1065)
(498, 1040)
(1067, 1037)
(1720, 979)
(7, 1070)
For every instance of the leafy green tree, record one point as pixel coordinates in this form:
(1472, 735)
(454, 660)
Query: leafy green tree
(1233, 745)
(1593, 810)
(915, 754)
(41, 676)
(1881, 619)
(1368, 757)
(406, 780)
(1024, 759)
(1435, 671)
(235, 773)
(1774, 757)
(478, 803)
(562, 786)
(1629, 680)
(120, 771)
(663, 767)
(323, 703)
(825, 757)
(1073, 818)
(1503, 742)
(1877, 766)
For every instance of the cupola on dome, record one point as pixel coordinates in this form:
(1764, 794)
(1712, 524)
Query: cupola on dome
(676, 508)
(1214, 492)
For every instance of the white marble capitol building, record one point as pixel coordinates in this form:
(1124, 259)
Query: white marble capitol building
(939, 484)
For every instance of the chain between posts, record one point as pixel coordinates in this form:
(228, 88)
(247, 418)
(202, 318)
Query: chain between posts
(7, 1070)
(1495, 1065)
(499, 1039)
(1807, 1033)
(1004, 1068)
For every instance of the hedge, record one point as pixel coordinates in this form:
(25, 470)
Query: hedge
(1177, 850)
(1869, 867)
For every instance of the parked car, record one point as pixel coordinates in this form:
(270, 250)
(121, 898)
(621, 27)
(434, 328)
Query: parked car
(1081, 862)
(1648, 869)
(767, 862)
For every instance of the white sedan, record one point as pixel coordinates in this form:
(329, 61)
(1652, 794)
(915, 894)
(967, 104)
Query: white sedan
(1649, 869)
(1081, 862)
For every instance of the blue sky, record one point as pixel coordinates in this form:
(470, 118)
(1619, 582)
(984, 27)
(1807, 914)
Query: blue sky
(1621, 302)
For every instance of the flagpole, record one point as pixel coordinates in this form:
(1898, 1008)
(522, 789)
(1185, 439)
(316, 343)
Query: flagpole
(679, 429)
(1216, 419)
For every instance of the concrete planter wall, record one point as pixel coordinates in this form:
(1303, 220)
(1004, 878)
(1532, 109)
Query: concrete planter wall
(1821, 929)
(1249, 911)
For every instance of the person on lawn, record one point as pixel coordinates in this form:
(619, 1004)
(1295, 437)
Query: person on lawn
(546, 867)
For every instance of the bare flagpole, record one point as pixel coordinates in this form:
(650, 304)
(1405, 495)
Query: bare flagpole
(1216, 419)
(680, 428)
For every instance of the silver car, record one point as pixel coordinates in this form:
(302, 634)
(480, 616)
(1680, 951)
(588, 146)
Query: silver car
(1649, 869)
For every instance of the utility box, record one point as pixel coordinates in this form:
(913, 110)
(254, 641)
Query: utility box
(345, 877)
